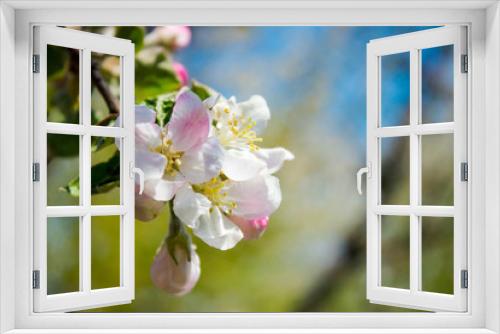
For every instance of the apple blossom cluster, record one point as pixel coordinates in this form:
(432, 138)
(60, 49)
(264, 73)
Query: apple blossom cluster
(202, 155)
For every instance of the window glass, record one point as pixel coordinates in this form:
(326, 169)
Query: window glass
(437, 84)
(63, 87)
(395, 251)
(63, 255)
(395, 89)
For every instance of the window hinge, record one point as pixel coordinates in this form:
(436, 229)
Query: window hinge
(465, 63)
(464, 280)
(36, 172)
(464, 171)
(36, 63)
(36, 279)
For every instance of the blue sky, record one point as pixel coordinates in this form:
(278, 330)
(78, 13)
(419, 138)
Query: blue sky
(287, 65)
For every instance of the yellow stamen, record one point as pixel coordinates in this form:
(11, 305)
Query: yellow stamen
(214, 190)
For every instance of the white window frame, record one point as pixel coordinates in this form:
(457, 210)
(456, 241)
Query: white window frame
(413, 44)
(16, 20)
(86, 297)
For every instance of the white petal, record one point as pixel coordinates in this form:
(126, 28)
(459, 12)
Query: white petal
(217, 230)
(241, 165)
(147, 135)
(211, 101)
(161, 189)
(274, 158)
(152, 164)
(256, 108)
(255, 198)
(189, 206)
(144, 115)
(202, 164)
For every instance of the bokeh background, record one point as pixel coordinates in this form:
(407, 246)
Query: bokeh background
(312, 257)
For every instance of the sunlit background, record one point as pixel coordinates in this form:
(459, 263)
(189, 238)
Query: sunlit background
(312, 257)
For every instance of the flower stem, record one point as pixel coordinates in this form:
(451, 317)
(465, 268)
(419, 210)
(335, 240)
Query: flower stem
(177, 235)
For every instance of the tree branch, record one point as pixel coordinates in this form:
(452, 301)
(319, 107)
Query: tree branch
(355, 248)
(100, 84)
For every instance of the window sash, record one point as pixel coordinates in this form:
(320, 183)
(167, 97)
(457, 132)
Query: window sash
(86, 297)
(414, 297)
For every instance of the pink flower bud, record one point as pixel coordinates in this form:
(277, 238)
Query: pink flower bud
(175, 278)
(174, 37)
(181, 73)
(252, 229)
(146, 208)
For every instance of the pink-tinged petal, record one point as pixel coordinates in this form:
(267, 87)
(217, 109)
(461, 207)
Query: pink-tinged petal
(147, 136)
(241, 165)
(201, 165)
(274, 158)
(175, 278)
(252, 229)
(216, 230)
(162, 189)
(152, 164)
(255, 198)
(189, 206)
(181, 72)
(182, 36)
(146, 208)
(190, 123)
(170, 36)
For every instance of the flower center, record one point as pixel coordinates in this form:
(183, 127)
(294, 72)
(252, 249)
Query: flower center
(173, 157)
(239, 130)
(214, 190)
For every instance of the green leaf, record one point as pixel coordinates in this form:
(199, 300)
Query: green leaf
(154, 79)
(73, 187)
(63, 145)
(164, 108)
(135, 34)
(58, 60)
(203, 91)
(104, 177)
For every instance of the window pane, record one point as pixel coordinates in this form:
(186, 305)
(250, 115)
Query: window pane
(437, 254)
(395, 183)
(105, 252)
(63, 166)
(63, 255)
(437, 169)
(105, 91)
(63, 86)
(396, 251)
(395, 89)
(105, 175)
(437, 84)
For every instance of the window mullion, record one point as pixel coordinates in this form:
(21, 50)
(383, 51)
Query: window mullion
(85, 178)
(415, 244)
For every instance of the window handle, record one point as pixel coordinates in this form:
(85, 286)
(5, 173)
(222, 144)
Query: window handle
(361, 171)
(134, 170)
